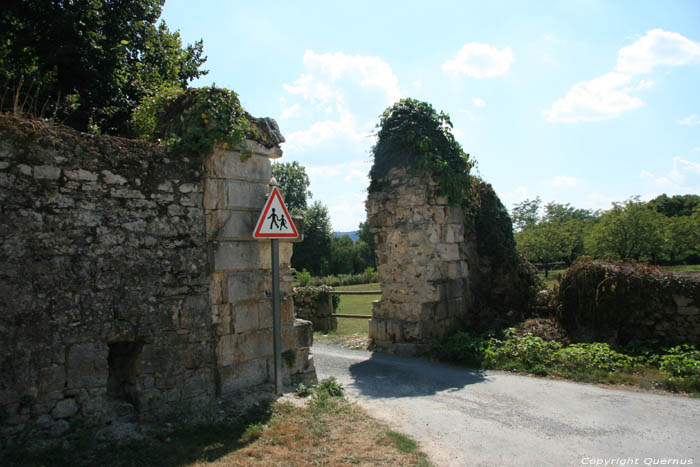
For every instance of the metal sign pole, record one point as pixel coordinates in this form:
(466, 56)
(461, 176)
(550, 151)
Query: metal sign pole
(276, 315)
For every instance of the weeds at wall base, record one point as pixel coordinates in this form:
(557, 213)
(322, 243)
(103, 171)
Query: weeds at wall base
(674, 369)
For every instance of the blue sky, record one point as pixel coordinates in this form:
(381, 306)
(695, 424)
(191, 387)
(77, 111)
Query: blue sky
(581, 102)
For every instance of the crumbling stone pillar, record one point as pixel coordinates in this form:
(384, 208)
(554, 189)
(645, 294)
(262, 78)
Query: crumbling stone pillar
(241, 281)
(422, 270)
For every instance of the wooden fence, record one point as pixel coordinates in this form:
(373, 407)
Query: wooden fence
(351, 292)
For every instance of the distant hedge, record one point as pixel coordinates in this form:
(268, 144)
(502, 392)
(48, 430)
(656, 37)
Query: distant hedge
(620, 302)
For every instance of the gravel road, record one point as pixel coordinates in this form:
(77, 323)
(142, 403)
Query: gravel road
(468, 417)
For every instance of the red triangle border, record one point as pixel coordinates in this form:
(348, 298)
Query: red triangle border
(263, 217)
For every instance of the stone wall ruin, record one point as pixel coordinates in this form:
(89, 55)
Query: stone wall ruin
(129, 281)
(441, 270)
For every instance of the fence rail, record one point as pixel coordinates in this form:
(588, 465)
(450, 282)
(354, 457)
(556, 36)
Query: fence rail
(352, 292)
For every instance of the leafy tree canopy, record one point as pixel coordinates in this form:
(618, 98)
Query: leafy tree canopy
(313, 253)
(294, 184)
(89, 63)
(677, 205)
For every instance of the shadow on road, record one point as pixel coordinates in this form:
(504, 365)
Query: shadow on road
(390, 376)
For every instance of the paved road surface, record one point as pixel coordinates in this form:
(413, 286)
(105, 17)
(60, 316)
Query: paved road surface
(466, 417)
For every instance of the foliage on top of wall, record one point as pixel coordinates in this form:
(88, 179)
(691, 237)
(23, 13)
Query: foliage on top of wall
(413, 134)
(196, 120)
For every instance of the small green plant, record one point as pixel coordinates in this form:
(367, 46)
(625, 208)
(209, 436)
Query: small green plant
(595, 356)
(331, 387)
(303, 390)
(525, 353)
(462, 347)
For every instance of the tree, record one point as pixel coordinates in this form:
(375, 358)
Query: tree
(313, 253)
(368, 249)
(677, 205)
(344, 258)
(90, 63)
(526, 214)
(294, 184)
(630, 230)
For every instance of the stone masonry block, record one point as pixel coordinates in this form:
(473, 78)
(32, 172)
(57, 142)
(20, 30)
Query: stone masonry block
(243, 375)
(252, 315)
(224, 164)
(222, 224)
(245, 285)
(253, 345)
(87, 365)
(225, 355)
(237, 255)
(243, 194)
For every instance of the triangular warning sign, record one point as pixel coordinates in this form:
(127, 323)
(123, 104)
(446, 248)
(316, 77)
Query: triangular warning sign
(274, 220)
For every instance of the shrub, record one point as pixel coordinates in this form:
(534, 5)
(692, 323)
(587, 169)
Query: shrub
(526, 352)
(330, 387)
(595, 356)
(303, 390)
(682, 361)
(462, 347)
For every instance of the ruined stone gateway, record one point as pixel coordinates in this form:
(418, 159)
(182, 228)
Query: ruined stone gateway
(129, 280)
(446, 252)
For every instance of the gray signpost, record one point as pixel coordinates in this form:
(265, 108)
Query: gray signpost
(273, 224)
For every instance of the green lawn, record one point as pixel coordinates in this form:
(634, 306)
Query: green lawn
(683, 268)
(355, 305)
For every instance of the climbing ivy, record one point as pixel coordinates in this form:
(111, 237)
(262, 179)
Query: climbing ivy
(194, 121)
(413, 134)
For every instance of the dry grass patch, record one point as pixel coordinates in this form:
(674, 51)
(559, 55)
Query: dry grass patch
(324, 429)
(325, 432)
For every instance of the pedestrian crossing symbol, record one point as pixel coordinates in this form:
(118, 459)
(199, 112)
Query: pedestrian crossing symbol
(274, 220)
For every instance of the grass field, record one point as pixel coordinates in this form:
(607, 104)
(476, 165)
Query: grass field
(352, 305)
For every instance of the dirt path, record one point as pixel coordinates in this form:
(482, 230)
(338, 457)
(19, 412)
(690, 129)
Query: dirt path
(465, 417)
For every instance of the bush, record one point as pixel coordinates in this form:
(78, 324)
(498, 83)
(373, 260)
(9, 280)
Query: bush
(463, 348)
(596, 356)
(367, 277)
(527, 352)
(330, 387)
(682, 361)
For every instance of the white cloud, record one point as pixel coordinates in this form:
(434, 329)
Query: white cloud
(479, 102)
(690, 120)
(310, 89)
(641, 86)
(683, 177)
(351, 212)
(374, 72)
(480, 61)
(697, 149)
(357, 170)
(657, 47)
(291, 112)
(598, 99)
(325, 130)
(562, 181)
(608, 96)
(516, 196)
(597, 200)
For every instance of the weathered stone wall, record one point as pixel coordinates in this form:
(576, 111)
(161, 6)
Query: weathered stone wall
(618, 302)
(315, 304)
(441, 271)
(422, 268)
(129, 282)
